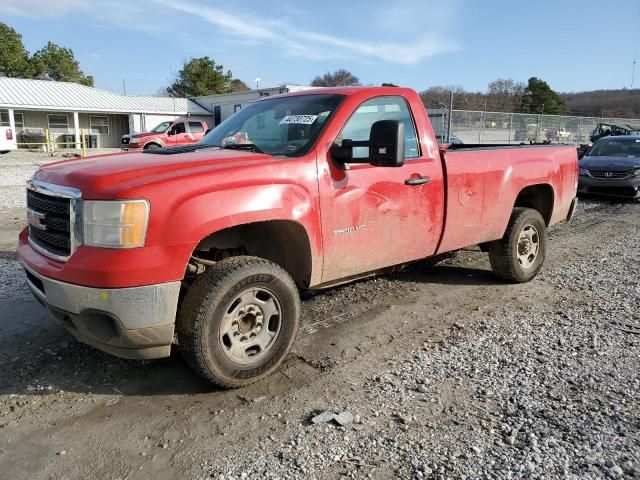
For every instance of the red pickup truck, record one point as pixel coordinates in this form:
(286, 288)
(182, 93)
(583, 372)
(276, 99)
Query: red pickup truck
(166, 134)
(300, 191)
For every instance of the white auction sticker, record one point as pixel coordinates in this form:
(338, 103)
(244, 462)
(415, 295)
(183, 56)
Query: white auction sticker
(298, 119)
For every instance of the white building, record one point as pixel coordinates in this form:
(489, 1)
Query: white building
(31, 107)
(224, 105)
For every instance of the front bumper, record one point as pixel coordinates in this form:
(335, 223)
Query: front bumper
(134, 322)
(622, 188)
(131, 147)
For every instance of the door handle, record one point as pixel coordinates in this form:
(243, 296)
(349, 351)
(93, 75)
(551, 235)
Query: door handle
(417, 181)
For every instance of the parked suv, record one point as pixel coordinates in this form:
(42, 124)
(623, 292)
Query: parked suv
(166, 134)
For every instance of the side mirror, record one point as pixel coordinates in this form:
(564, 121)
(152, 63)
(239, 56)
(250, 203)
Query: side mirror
(386, 146)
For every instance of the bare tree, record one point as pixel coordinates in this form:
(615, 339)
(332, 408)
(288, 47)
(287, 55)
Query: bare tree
(608, 103)
(339, 78)
(506, 94)
(438, 97)
(238, 85)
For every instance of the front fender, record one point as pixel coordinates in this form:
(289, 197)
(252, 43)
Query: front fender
(195, 218)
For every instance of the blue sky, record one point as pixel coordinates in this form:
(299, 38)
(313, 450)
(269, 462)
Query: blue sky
(572, 44)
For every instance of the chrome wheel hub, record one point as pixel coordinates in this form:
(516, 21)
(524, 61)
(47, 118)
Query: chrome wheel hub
(250, 326)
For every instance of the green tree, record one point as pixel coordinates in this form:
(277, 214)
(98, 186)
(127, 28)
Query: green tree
(200, 76)
(540, 98)
(14, 58)
(54, 62)
(339, 78)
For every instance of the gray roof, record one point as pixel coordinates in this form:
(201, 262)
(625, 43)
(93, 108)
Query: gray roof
(50, 95)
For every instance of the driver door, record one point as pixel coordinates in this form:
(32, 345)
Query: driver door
(178, 135)
(375, 217)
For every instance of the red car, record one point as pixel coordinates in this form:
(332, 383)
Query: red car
(166, 134)
(299, 191)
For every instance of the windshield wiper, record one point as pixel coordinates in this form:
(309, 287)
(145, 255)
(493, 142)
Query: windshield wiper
(242, 146)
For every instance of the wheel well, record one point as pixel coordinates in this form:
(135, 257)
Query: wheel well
(147, 145)
(283, 242)
(538, 197)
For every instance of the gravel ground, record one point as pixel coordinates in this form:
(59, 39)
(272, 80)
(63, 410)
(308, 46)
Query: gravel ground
(544, 393)
(447, 372)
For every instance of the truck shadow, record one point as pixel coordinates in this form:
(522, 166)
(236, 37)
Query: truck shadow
(38, 357)
(452, 275)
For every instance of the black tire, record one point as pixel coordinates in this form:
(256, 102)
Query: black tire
(503, 253)
(152, 146)
(211, 299)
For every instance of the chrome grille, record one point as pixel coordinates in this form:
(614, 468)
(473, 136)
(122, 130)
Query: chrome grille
(609, 174)
(54, 214)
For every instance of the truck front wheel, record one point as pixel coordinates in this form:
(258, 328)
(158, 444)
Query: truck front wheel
(519, 255)
(238, 321)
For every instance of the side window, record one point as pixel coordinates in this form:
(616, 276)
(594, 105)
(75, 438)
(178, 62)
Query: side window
(196, 127)
(179, 128)
(358, 127)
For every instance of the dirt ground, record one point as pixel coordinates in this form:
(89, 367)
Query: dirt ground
(68, 411)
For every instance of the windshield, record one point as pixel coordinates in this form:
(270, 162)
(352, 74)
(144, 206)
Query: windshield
(619, 147)
(162, 127)
(280, 126)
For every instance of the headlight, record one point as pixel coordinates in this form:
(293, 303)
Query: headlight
(115, 224)
(134, 140)
(584, 171)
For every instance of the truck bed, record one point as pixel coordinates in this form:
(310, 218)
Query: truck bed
(484, 181)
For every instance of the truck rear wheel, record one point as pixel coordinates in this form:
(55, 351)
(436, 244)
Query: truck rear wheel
(238, 321)
(519, 255)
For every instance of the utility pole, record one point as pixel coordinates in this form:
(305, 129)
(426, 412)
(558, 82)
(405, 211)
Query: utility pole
(449, 117)
(633, 71)
(124, 87)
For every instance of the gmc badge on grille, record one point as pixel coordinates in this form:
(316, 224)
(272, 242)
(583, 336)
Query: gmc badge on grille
(35, 219)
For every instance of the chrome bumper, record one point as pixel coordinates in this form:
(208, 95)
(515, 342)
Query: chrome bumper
(135, 322)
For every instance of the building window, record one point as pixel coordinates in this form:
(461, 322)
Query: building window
(18, 118)
(99, 125)
(237, 108)
(217, 115)
(58, 121)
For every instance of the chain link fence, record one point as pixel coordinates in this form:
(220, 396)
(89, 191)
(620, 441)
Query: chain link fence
(495, 127)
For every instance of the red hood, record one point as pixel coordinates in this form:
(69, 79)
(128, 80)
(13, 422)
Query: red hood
(144, 134)
(112, 176)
